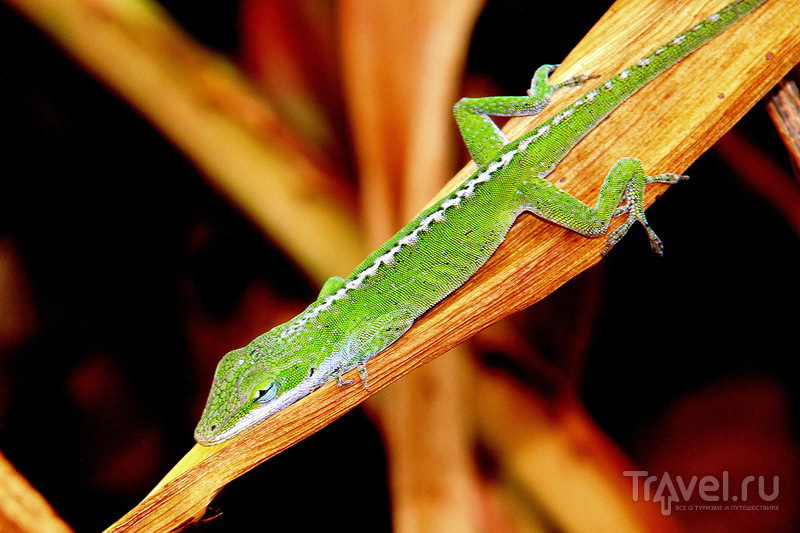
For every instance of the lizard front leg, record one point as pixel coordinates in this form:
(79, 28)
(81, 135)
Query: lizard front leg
(366, 340)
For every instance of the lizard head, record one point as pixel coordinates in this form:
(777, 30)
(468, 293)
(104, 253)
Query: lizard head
(249, 385)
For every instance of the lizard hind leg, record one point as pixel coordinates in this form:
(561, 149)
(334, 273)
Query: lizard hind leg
(480, 133)
(622, 193)
(541, 88)
(632, 203)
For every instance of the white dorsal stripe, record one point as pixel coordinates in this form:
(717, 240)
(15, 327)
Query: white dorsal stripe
(466, 190)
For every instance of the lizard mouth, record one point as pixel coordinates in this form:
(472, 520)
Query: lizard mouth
(208, 434)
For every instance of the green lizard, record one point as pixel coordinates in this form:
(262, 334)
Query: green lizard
(355, 318)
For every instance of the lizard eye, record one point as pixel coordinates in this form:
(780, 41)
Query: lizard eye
(266, 391)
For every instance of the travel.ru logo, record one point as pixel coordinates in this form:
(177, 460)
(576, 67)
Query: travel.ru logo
(675, 493)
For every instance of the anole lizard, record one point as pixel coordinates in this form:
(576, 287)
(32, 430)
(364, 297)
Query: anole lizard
(355, 318)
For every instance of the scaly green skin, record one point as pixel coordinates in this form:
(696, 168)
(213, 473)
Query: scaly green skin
(355, 318)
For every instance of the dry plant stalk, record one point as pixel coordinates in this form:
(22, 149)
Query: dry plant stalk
(784, 109)
(756, 168)
(547, 453)
(402, 68)
(667, 124)
(199, 101)
(22, 508)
